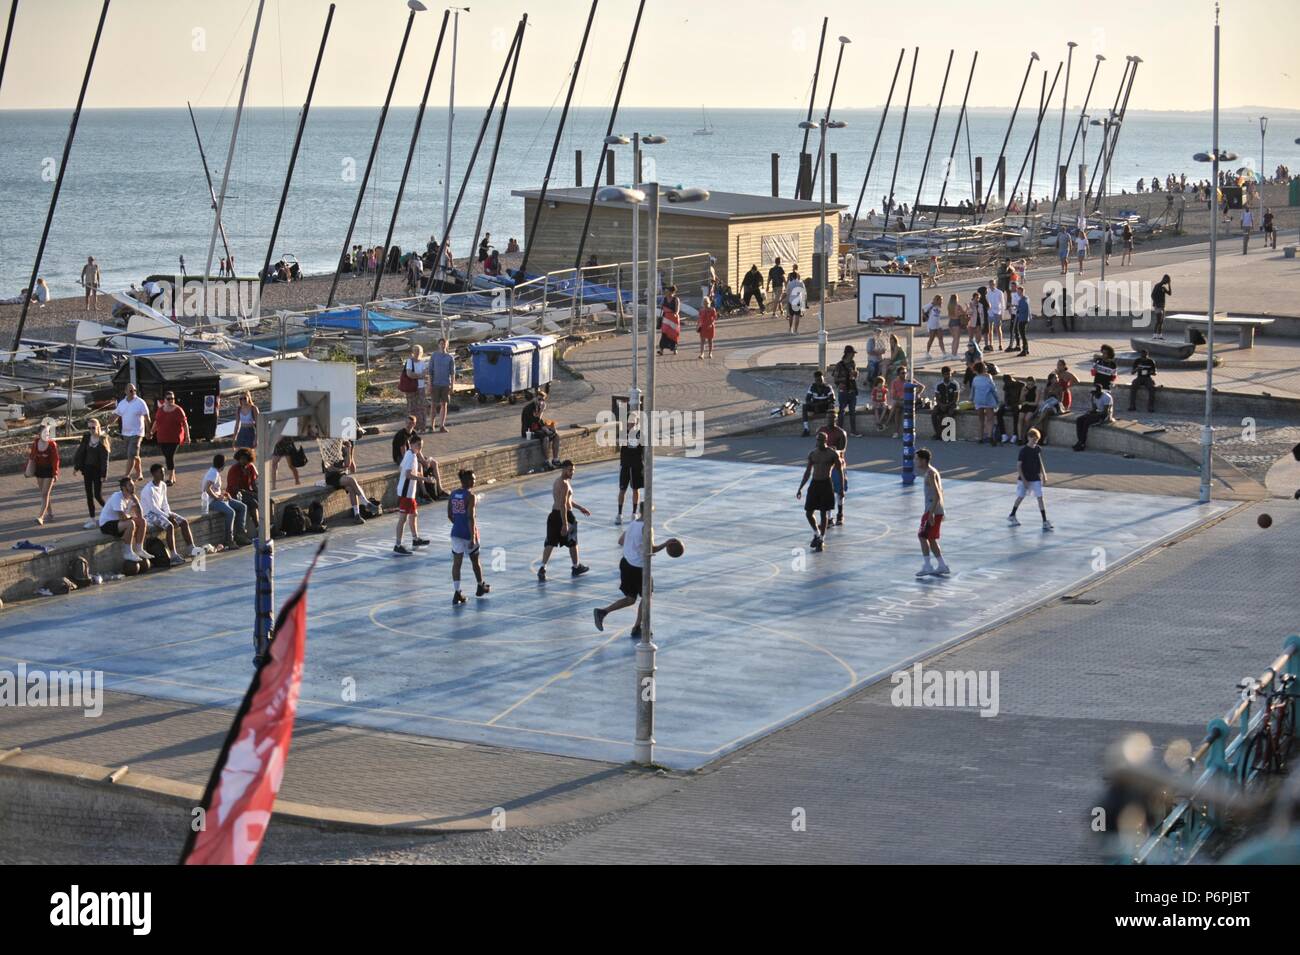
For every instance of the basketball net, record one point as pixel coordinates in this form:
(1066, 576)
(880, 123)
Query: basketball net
(331, 452)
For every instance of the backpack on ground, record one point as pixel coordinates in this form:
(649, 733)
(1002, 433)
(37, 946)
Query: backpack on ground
(159, 559)
(79, 572)
(292, 521)
(316, 518)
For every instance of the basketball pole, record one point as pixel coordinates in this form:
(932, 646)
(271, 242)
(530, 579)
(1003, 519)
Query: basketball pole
(270, 426)
(909, 418)
(643, 747)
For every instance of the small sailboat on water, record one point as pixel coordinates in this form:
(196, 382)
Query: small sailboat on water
(707, 128)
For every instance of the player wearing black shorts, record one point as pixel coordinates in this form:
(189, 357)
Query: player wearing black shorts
(837, 439)
(561, 525)
(822, 463)
(631, 468)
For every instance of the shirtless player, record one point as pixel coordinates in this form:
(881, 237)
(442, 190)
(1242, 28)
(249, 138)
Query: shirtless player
(822, 463)
(561, 525)
(837, 439)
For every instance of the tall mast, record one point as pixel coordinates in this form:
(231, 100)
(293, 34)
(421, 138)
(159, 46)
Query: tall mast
(522, 271)
(1038, 125)
(835, 79)
(478, 144)
(812, 104)
(1087, 98)
(410, 156)
(609, 131)
(416, 7)
(496, 150)
(956, 136)
(207, 174)
(983, 205)
(58, 182)
(293, 158)
(9, 33)
(930, 145)
(907, 103)
(879, 129)
(230, 155)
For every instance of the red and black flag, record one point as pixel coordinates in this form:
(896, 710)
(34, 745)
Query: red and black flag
(236, 808)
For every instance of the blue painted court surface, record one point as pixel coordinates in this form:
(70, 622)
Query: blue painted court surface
(753, 631)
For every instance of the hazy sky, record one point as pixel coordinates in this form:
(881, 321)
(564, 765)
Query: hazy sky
(723, 53)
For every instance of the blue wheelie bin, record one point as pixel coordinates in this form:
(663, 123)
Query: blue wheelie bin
(502, 368)
(543, 358)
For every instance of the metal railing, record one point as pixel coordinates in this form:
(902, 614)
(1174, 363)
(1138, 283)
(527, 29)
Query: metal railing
(1225, 761)
(572, 301)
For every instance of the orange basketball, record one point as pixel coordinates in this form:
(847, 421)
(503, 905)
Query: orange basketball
(675, 548)
(1264, 521)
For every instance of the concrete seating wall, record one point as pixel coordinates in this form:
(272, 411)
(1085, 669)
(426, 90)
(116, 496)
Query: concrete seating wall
(22, 572)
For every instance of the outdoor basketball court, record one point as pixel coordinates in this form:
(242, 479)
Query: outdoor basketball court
(753, 631)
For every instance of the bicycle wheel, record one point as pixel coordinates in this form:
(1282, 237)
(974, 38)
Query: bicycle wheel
(1256, 756)
(1284, 732)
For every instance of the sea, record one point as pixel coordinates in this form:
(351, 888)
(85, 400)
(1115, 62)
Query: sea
(135, 195)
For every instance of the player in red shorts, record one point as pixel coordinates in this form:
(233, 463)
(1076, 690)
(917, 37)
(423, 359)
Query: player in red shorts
(932, 519)
(408, 480)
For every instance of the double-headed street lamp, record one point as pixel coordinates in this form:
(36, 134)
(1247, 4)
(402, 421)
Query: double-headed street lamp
(643, 751)
(1107, 124)
(636, 141)
(823, 124)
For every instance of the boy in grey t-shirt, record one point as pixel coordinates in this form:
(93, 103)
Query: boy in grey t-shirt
(442, 375)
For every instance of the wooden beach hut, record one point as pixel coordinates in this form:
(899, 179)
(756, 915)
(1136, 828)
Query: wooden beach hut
(738, 229)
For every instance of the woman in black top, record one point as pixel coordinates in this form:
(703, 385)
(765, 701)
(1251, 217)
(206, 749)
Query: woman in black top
(91, 459)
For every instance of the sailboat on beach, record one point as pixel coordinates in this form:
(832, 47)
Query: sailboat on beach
(707, 128)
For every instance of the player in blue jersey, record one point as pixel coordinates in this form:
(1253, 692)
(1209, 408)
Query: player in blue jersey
(462, 511)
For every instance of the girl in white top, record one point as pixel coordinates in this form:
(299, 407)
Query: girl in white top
(1081, 248)
(933, 325)
(797, 297)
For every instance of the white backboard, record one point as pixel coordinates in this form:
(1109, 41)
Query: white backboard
(333, 384)
(889, 299)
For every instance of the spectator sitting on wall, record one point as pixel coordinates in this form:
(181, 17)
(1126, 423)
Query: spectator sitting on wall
(819, 399)
(535, 425)
(159, 515)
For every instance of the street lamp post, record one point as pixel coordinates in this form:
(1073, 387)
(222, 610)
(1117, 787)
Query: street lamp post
(823, 124)
(643, 747)
(1106, 126)
(1263, 170)
(1083, 173)
(1214, 157)
(636, 141)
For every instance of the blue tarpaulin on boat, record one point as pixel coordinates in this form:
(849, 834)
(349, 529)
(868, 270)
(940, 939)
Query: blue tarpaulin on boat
(349, 320)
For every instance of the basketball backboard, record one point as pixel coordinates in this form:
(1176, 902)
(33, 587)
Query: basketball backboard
(329, 387)
(885, 299)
